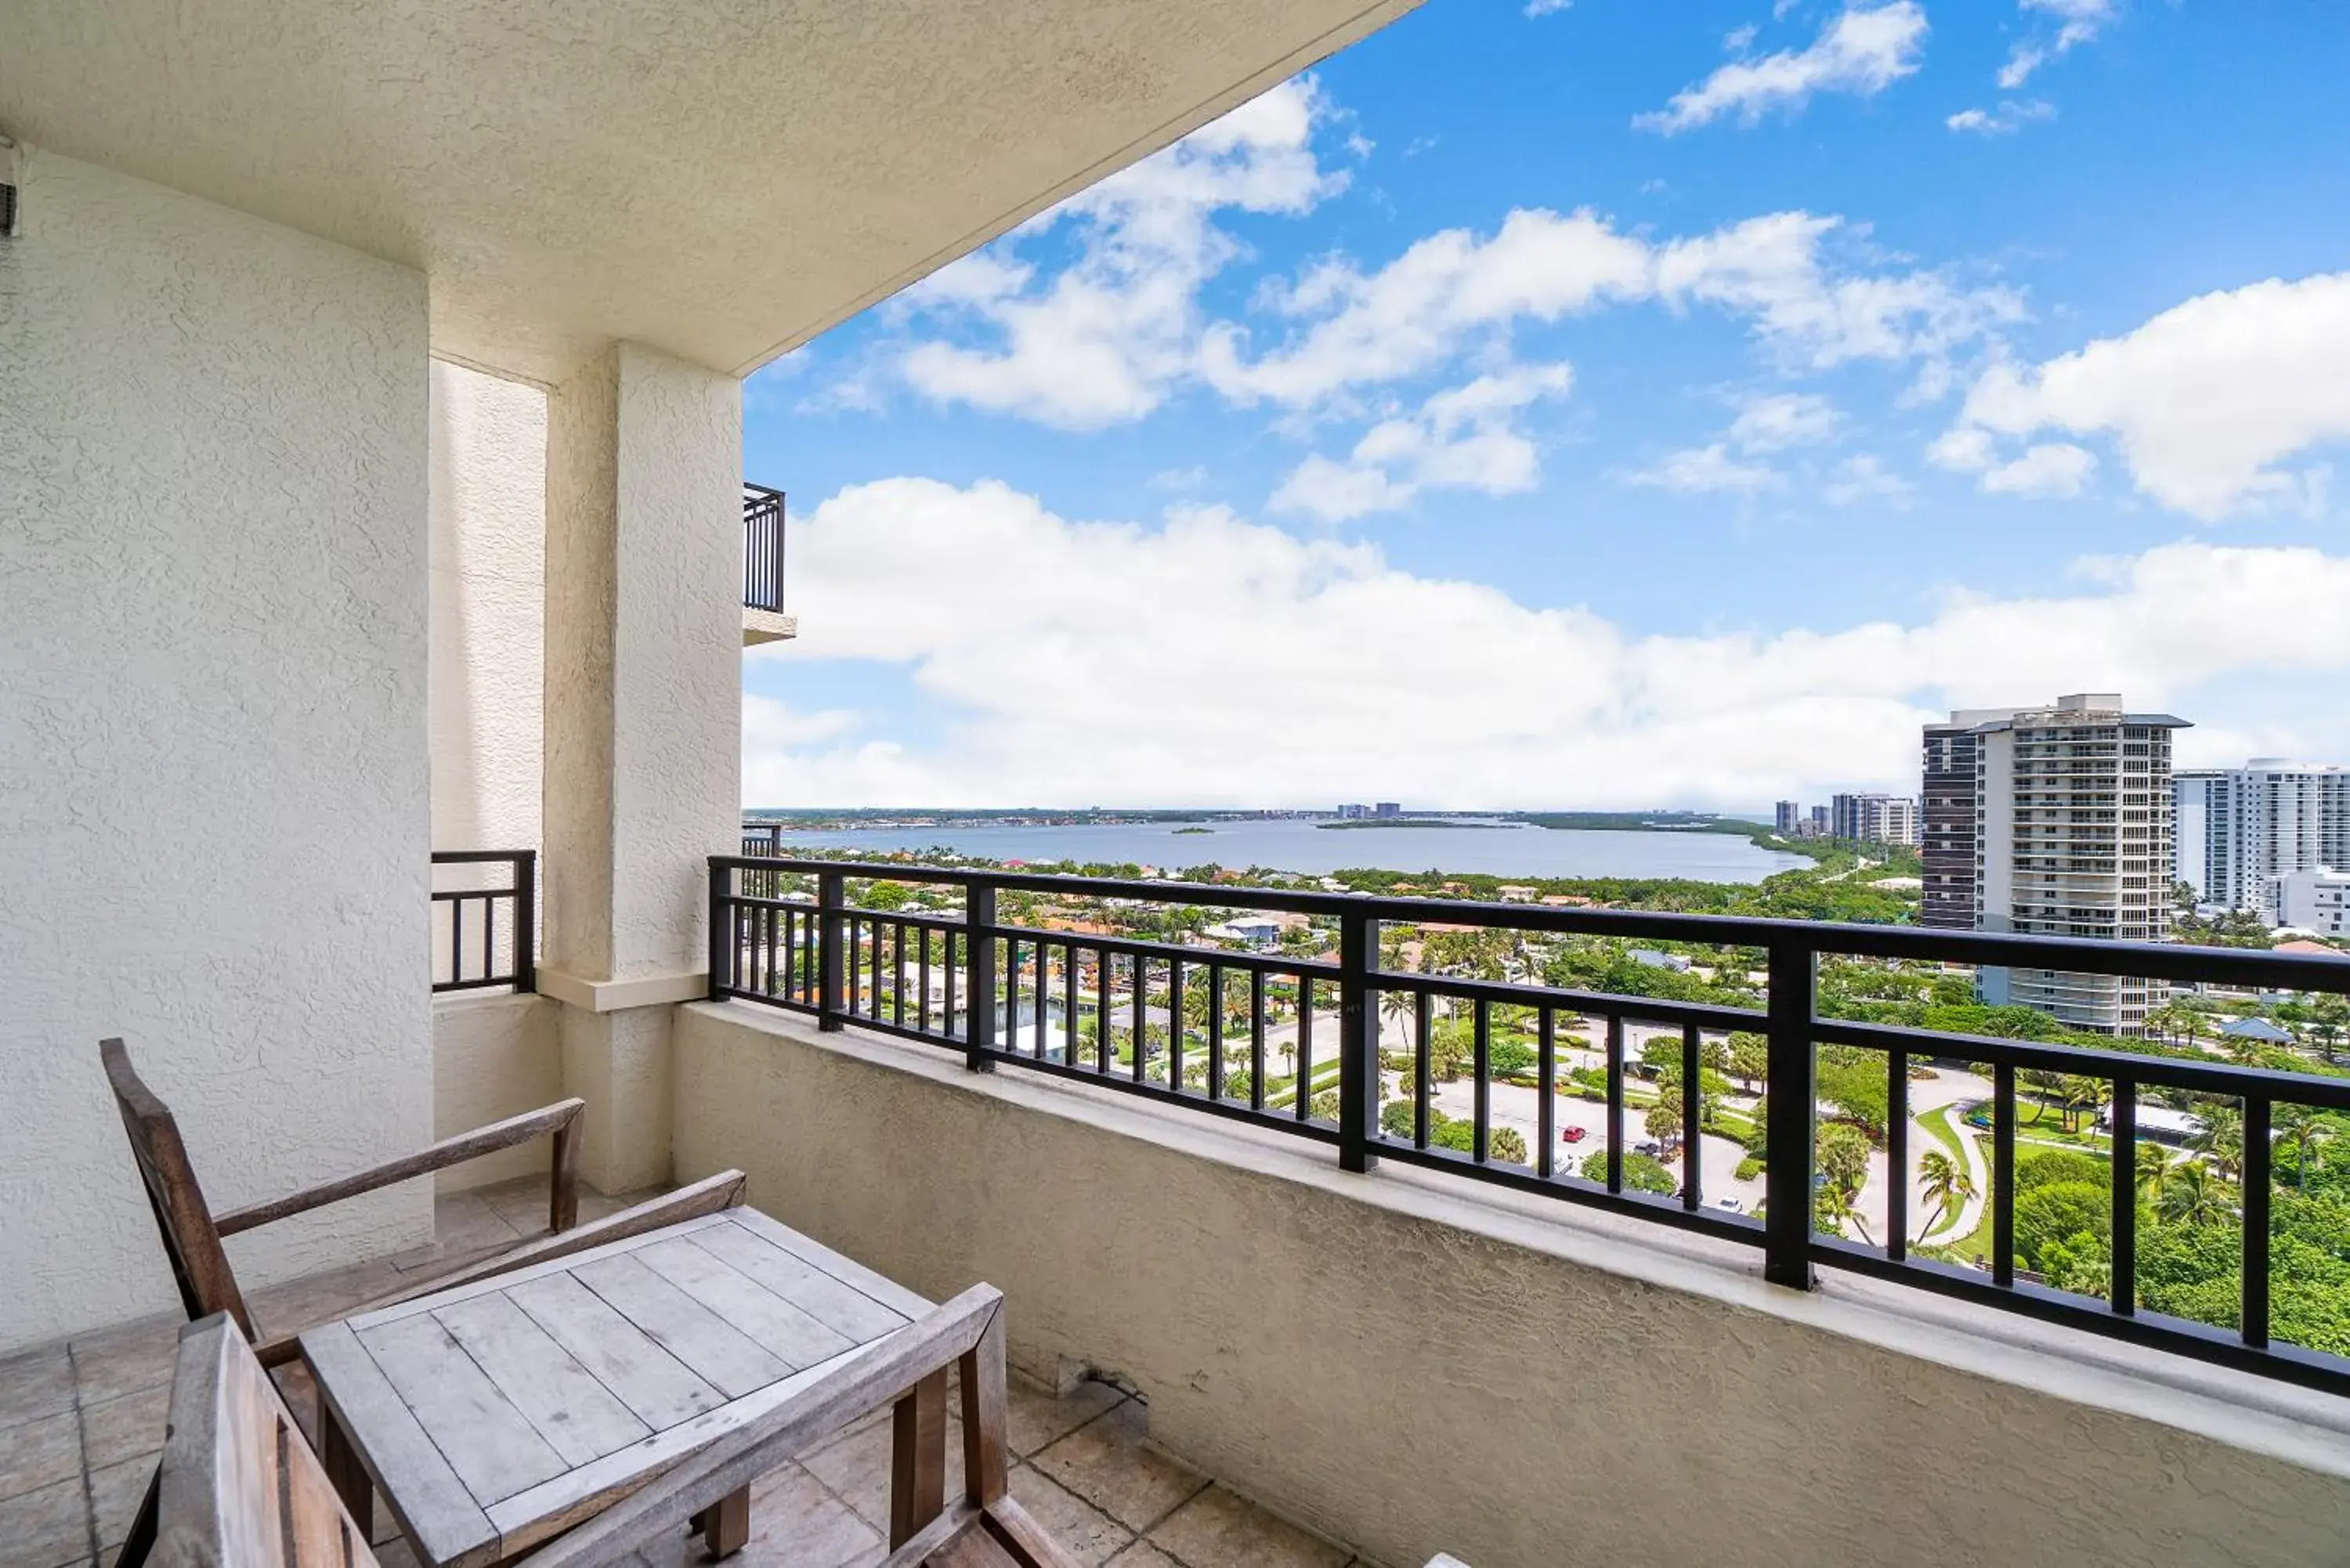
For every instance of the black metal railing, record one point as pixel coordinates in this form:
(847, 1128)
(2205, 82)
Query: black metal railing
(1294, 1043)
(762, 547)
(484, 919)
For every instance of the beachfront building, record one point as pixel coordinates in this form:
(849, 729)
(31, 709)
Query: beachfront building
(2239, 830)
(1873, 819)
(2071, 832)
(1789, 815)
(2316, 901)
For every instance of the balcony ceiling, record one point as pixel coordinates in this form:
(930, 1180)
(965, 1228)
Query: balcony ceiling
(719, 179)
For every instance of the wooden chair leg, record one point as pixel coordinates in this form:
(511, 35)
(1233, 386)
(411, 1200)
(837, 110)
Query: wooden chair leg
(348, 1476)
(918, 1458)
(725, 1525)
(563, 1188)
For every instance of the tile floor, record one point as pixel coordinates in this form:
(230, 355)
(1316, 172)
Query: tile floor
(80, 1423)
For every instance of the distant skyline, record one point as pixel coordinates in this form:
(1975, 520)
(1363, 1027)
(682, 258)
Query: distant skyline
(1608, 402)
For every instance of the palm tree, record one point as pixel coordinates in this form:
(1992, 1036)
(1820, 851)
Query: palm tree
(2191, 1195)
(2307, 1131)
(2222, 1139)
(2154, 1168)
(2082, 1095)
(1395, 1006)
(2241, 1049)
(1946, 1183)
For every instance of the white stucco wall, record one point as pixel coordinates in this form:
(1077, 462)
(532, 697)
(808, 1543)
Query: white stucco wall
(214, 801)
(1414, 1369)
(489, 604)
(494, 1056)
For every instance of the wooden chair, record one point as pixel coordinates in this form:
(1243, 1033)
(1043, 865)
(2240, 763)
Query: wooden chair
(238, 1487)
(192, 1234)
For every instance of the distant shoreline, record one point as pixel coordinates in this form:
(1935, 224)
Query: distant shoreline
(1351, 822)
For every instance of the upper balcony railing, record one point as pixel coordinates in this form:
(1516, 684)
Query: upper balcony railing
(484, 919)
(1293, 1042)
(762, 547)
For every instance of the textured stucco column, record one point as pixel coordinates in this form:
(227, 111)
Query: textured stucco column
(644, 458)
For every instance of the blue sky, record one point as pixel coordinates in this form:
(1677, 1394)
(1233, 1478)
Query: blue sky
(1630, 403)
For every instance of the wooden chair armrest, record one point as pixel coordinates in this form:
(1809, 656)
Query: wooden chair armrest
(863, 1382)
(556, 1118)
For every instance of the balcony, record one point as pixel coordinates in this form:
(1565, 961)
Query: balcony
(764, 619)
(82, 1423)
(447, 404)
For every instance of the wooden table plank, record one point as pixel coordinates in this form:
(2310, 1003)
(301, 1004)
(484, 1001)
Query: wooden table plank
(705, 1342)
(427, 1497)
(653, 1383)
(783, 1329)
(530, 1517)
(837, 1305)
(579, 1417)
(494, 1284)
(846, 1270)
(488, 1442)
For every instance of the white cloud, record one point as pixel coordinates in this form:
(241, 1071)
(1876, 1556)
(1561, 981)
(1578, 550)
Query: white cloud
(771, 725)
(1465, 438)
(1864, 50)
(1771, 269)
(1454, 290)
(1106, 338)
(1738, 40)
(1545, 7)
(1706, 471)
(1250, 665)
(2052, 469)
(1864, 477)
(1962, 450)
(1784, 420)
(1419, 311)
(2204, 401)
(2005, 120)
(2078, 22)
(1764, 425)
(1337, 492)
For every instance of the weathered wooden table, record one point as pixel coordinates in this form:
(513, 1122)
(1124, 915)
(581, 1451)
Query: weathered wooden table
(497, 1414)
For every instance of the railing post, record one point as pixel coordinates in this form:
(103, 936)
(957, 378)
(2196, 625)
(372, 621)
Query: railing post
(979, 1000)
(830, 895)
(721, 951)
(1788, 1132)
(525, 928)
(1358, 1059)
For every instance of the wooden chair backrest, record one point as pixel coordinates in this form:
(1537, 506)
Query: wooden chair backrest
(239, 1487)
(191, 1239)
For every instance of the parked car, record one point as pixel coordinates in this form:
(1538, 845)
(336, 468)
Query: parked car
(1575, 1135)
(1729, 1203)
(1652, 1148)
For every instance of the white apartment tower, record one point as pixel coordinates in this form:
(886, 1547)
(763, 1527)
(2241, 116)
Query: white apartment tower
(2072, 838)
(2239, 830)
(1874, 819)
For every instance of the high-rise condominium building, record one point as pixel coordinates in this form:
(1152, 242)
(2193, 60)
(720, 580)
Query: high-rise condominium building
(2072, 838)
(1873, 819)
(1791, 817)
(2241, 829)
(2312, 901)
(1947, 818)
